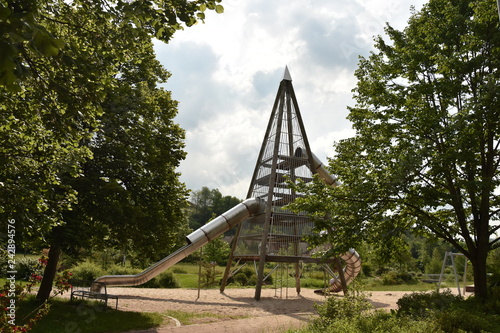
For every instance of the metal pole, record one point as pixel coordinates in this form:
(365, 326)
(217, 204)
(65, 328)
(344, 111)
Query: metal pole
(199, 273)
(442, 270)
(455, 273)
(465, 273)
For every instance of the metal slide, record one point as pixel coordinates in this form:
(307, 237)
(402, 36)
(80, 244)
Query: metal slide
(351, 257)
(195, 240)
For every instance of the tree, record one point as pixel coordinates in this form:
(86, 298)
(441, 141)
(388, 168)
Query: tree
(65, 69)
(425, 155)
(25, 38)
(208, 204)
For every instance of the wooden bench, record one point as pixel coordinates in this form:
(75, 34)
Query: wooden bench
(91, 290)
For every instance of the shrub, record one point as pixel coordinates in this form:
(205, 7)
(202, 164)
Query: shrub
(4, 260)
(241, 279)
(374, 322)
(163, 280)
(247, 271)
(252, 281)
(247, 277)
(318, 275)
(167, 280)
(27, 266)
(367, 269)
(419, 305)
(382, 322)
(337, 308)
(87, 271)
(394, 278)
(462, 320)
(492, 305)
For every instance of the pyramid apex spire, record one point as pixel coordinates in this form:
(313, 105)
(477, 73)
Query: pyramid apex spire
(286, 75)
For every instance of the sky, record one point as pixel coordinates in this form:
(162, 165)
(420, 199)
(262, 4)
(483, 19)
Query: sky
(226, 73)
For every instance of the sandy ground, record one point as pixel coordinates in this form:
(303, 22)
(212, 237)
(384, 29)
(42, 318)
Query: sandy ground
(276, 311)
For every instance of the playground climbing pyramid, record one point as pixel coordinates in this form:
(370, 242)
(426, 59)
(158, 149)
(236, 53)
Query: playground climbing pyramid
(277, 235)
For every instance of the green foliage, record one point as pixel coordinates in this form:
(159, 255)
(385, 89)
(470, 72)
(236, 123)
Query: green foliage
(394, 278)
(420, 305)
(28, 38)
(425, 156)
(417, 313)
(26, 267)
(87, 271)
(340, 308)
(240, 279)
(463, 320)
(89, 150)
(217, 251)
(493, 264)
(163, 280)
(208, 204)
(376, 322)
(4, 260)
(247, 277)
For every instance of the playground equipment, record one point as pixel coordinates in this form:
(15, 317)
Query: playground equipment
(267, 230)
(195, 240)
(452, 256)
(278, 235)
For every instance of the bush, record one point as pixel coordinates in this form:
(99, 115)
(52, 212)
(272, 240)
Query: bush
(167, 280)
(338, 308)
(492, 305)
(462, 320)
(27, 266)
(87, 271)
(420, 305)
(395, 278)
(367, 269)
(390, 278)
(163, 280)
(383, 322)
(241, 279)
(4, 260)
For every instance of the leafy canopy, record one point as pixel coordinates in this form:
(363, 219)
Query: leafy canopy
(24, 35)
(425, 156)
(62, 62)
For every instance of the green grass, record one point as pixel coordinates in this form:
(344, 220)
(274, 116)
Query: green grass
(187, 281)
(87, 317)
(3, 281)
(190, 318)
(187, 274)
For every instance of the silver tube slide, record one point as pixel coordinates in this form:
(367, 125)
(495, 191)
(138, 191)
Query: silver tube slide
(323, 173)
(195, 240)
(318, 168)
(351, 270)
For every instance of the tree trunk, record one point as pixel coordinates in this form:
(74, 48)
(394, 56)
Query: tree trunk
(478, 262)
(49, 273)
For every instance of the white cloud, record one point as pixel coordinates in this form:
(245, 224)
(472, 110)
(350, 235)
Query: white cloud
(225, 74)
